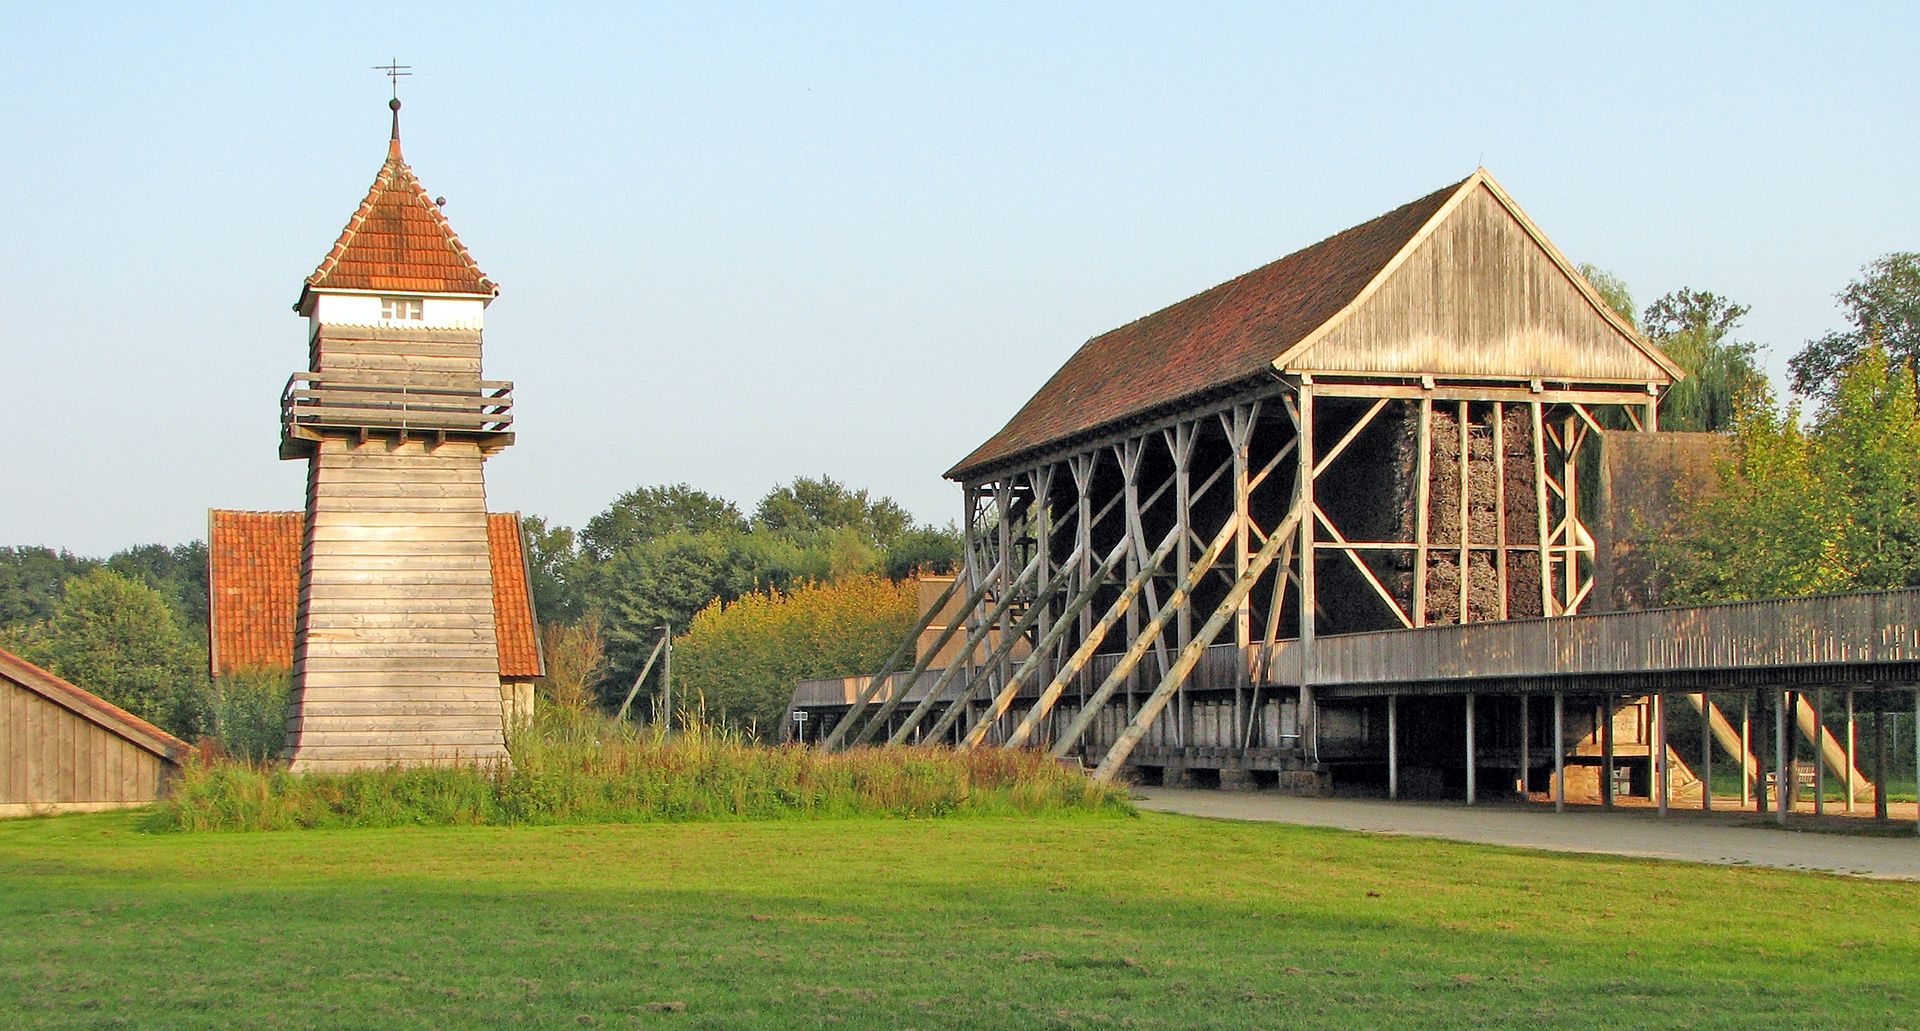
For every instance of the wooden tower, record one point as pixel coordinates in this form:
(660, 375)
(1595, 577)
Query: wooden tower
(395, 659)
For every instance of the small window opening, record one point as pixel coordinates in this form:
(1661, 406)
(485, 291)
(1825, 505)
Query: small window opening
(402, 308)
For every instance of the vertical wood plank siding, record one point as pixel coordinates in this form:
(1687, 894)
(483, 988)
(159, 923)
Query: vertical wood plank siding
(51, 756)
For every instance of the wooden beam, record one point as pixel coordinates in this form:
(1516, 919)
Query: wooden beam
(1379, 588)
(1190, 655)
(1423, 500)
(1559, 752)
(1500, 501)
(1466, 524)
(980, 590)
(1137, 648)
(865, 695)
(1472, 772)
(1540, 507)
(1003, 700)
(1090, 642)
(981, 631)
(1393, 746)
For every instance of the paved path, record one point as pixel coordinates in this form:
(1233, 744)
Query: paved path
(1732, 839)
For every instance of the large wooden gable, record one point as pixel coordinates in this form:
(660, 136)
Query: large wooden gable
(1458, 283)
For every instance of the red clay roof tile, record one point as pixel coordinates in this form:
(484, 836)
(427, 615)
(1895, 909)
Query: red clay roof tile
(254, 578)
(1218, 338)
(398, 240)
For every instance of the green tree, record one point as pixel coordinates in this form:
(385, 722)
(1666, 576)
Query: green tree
(1694, 328)
(663, 581)
(649, 513)
(1835, 507)
(118, 638)
(924, 549)
(1882, 309)
(809, 506)
(553, 565)
(179, 573)
(1612, 289)
(30, 582)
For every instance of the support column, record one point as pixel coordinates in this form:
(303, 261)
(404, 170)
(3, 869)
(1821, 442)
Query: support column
(1751, 777)
(1526, 731)
(1393, 746)
(1606, 751)
(1663, 773)
(1309, 591)
(1470, 768)
(1559, 753)
(1782, 774)
(1819, 748)
(1706, 752)
(1879, 753)
(1853, 758)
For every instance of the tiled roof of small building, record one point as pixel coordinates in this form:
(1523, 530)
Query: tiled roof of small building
(398, 241)
(1219, 338)
(254, 579)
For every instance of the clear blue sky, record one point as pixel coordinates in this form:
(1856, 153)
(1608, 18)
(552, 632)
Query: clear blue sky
(739, 244)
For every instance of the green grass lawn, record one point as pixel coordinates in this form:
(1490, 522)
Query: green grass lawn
(1027, 922)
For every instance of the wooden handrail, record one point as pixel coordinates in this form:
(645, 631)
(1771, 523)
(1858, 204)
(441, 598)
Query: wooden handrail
(313, 399)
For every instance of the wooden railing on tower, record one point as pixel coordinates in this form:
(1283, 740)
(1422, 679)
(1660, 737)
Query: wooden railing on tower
(313, 402)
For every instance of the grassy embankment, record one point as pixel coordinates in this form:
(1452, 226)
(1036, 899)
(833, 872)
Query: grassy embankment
(1063, 920)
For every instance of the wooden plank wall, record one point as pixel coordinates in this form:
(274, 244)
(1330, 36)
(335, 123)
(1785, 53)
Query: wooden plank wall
(53, 757)
(395, 658)
(1479, 298)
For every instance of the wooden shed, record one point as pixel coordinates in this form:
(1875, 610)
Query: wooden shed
(63, 749)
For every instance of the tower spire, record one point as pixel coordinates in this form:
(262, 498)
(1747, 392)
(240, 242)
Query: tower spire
(394, 71)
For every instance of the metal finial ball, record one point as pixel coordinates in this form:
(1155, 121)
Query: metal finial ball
(394, 104)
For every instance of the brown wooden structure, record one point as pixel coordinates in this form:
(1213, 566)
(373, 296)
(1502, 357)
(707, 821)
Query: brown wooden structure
(63, 749)
(1384, 430)
(396, 656)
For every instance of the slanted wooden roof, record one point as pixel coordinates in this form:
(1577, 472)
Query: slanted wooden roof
(1287, 317)
(398, 241)
(92, 708)
(253, 575)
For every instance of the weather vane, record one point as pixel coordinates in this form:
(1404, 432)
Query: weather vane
(395, 72)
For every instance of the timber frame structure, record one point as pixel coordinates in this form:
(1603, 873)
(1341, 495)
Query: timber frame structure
(1382, 431)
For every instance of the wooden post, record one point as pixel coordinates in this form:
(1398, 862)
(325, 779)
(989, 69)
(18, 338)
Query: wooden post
(1423, 500)
(1749, 771)
(1559, 753)
(1070, 670)
(1706, 752)
(1190, 655)
(1082, 467)
(1540, 507)
(1853, 757)
(1309, 589)
(1663, 782)
(1879, 753)
(1148, 635)
(1819, 749)
(866, 693)
(1500, 506)
(1181, 445)
(1393, 746)
(1526, 759)
(1466, 528)
(1470, 766)
(1782, 768)
(900, 687)
(1916, 755)
(1606, 751)
(1569, 485)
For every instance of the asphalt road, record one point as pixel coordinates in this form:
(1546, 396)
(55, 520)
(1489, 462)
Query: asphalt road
(1727, 838)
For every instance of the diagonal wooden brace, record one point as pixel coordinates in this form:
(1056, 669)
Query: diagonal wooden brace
(866, 694)
(1002, 700)
(1190, 655)
(1098, 633)
(1148, 635)
(965, 657)
(1012, 637)
(920, 668)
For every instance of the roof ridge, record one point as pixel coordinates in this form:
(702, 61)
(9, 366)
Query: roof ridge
(97, 710)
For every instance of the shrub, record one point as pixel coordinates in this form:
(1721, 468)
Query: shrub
(250, 712)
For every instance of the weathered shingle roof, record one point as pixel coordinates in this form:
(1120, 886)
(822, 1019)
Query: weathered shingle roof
(253, 574)
(1218, 338)
(398, 241)
(92, 707)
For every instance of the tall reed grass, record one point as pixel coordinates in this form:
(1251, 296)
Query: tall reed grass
(578, 767)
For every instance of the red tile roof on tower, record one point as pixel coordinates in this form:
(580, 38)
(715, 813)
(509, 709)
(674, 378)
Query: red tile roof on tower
(1220, 338)
(398, 241)
(253, 574)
